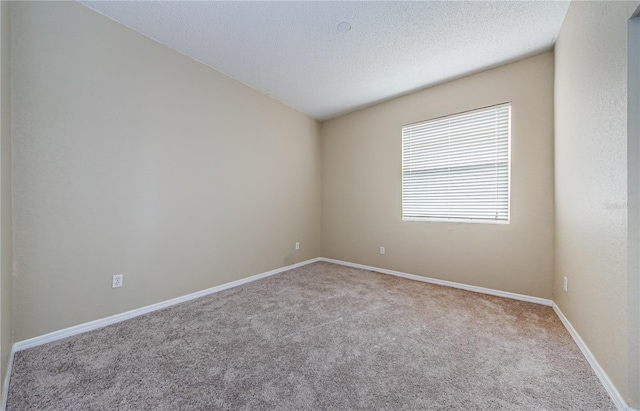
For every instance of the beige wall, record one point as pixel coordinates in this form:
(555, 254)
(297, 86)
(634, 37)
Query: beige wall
(361, 186)
(6, 247)
(591, 180)
(633, 213)
(132, 158)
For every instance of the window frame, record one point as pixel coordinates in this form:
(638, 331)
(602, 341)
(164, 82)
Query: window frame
(465, 220)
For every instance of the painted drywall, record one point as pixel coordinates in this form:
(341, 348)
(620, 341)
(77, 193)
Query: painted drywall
(633, 213)
(361, 186)
(591, 180)
(132, 158)
(6, 247)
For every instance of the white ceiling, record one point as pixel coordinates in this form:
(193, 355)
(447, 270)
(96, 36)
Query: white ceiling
(294, 51)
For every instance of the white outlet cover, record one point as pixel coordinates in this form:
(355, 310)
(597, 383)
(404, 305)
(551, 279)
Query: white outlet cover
(382, 250)
(117, 281)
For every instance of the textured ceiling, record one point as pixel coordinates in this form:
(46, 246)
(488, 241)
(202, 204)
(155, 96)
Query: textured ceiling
(294, 51)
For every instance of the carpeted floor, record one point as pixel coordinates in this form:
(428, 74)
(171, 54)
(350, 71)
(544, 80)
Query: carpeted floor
(318, 337)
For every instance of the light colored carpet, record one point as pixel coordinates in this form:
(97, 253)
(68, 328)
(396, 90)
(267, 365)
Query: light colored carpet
(318, 337)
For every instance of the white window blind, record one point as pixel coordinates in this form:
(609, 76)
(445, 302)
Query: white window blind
(456, 168)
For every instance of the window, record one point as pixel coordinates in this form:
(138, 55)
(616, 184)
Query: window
(457, 168)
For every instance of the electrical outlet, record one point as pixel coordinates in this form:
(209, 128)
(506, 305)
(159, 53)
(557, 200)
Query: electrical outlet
(381, 250)
(566, 284)
(297, 245)
(116, 281)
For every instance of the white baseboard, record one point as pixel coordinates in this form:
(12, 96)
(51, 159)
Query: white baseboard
(93, 325)
(5, 386)
(103, 322)
(617, 399)
(514, 296)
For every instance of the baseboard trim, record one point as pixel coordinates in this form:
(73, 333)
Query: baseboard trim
(5, 385)
(482, 290)
(96, 324)
(103, 322)
(617, 399)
